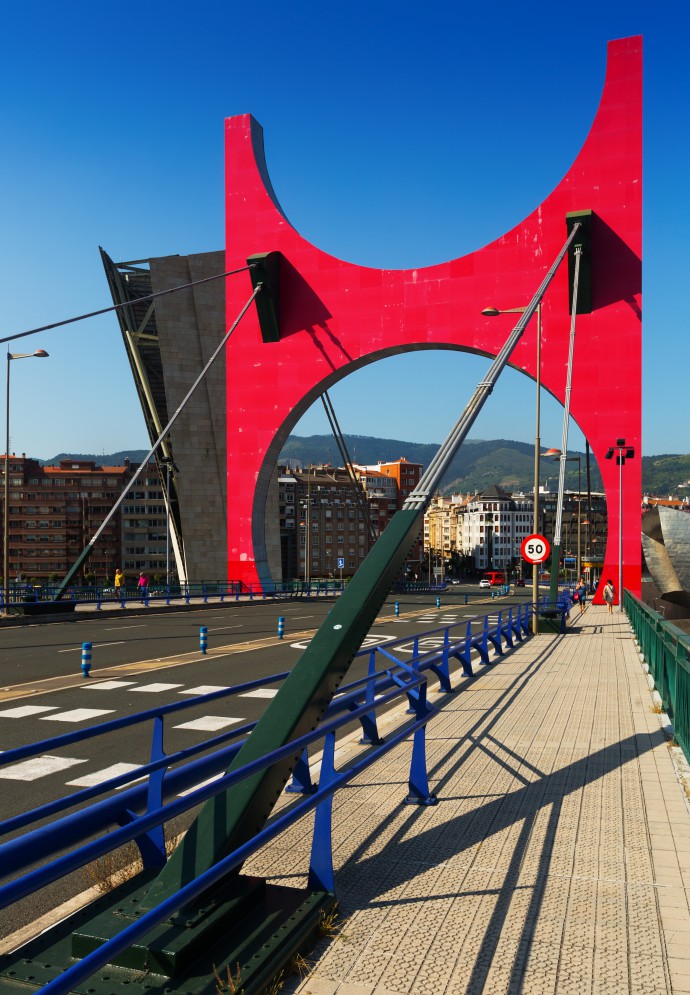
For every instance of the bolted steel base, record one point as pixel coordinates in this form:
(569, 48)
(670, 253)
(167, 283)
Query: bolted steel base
(248, 931)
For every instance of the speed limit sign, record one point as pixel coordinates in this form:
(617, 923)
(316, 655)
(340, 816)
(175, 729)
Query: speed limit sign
(535, 549)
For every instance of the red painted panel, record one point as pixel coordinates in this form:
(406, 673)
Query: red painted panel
(337, 316)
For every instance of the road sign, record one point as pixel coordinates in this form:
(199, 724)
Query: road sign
(341, 562)
(535, 548)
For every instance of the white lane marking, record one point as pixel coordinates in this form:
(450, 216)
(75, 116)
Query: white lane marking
(103, 775)
(201, 784)
(77, 649)
(220, 628)
(296, 618)
(25, 710)
(116, 628)
(209, 723)
(107, 685)
(31, 770)
(205, 689)
(77, 715)
(260, 693)
(154, 688)
(369, 641)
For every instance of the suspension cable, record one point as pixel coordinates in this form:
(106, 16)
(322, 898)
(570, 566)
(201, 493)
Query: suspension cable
(345, 456)
(115, 307)
(427, 486)
(566, 408)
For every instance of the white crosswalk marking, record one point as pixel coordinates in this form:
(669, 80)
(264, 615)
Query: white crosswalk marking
(209, 723)
(260, 693)
(108, 685)
(31, 770)
(23, 711)
(201, 784)
(99, 776)
(205, 689)
(76, 715)
(155, 688)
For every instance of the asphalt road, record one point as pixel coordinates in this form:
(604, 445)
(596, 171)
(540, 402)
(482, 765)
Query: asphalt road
(145, 660)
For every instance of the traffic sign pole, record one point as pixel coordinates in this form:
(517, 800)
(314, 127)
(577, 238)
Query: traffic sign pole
(535, 549)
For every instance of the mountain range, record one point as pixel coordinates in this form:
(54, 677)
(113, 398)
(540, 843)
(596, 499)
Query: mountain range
(477, 465)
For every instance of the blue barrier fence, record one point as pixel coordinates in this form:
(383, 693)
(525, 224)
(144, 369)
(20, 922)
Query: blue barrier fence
(170, 784)
(27, 594)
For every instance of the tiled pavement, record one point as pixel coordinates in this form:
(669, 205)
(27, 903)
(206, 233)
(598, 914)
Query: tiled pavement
(557, 859)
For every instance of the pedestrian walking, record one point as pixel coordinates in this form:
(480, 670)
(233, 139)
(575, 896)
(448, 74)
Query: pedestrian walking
(609, 595)
(581, 592)
(119, 581)
(143, 586)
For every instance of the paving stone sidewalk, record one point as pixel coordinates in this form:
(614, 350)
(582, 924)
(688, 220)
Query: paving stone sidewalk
(557, 859)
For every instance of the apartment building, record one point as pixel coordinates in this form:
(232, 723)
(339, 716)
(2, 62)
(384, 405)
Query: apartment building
(393, 482)
(494, 526)
(328, 523)
(53, 512)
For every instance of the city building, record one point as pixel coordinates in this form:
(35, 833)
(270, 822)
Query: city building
(442, 537)
(327, 523)
(493, 527)
(53, 512)
(393, 482)
(329, 517)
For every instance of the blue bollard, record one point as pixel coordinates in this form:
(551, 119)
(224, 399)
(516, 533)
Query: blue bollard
(203, 638)
(397, 607)
(281, 626)
(438, 601)
(85, 659)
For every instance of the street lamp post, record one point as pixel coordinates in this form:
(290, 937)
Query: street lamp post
(38, 354)
(622, 452)
(491, 312)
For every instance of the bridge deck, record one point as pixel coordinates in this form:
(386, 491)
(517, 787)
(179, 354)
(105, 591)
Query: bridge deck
(557, 859)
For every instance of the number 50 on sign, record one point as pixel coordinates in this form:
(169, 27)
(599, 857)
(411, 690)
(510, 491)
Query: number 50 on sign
(535, 549)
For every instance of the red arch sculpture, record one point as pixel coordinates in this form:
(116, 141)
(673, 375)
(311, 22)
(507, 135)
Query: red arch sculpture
(337, 316)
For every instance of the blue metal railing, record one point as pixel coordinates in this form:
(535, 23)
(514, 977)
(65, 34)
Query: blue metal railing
(26, 595)
(142, 809)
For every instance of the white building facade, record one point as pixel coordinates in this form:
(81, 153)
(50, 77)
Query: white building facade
(494, 526)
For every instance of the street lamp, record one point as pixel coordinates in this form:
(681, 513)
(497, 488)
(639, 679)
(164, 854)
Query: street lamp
(38, 354)
(622, 452)
(491, 312)
(555, 454)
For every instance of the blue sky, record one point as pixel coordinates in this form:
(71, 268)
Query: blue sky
(397, 134)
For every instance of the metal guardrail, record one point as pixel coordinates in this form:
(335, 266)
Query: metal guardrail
(666, 651)
(27, 594)
(142, 809)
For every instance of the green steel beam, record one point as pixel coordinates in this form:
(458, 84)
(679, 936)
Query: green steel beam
(555, 568)
(235, 816)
